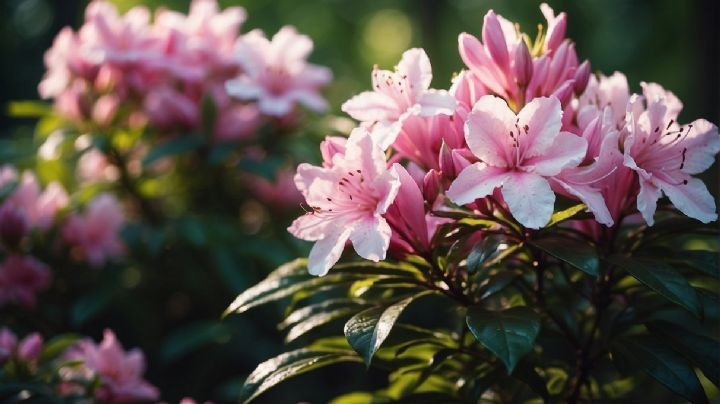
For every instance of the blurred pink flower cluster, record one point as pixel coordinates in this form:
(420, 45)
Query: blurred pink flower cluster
(29, 212)
(132, 69)
(525, 122)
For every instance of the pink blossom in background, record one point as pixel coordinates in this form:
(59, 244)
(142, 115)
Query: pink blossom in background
(27, 350)
(518, 153)
(93, 166)
(120, 372)
(665, 155)
(40, 208)
(398, 95)
(278, 193)
(94, 234)
(347, 202)
(276, 73)
(8, 341)
(21, 279)
(13, 225)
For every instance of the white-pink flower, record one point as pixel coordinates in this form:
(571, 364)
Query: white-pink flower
(398, 95)
(120, 373)
(347, 202)
(94, 235)
(40, 208)
(517, 153)
(666, 155)
(276, 73)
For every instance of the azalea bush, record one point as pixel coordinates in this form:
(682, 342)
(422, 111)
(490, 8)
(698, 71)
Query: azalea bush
(156, 187)
(535, 233)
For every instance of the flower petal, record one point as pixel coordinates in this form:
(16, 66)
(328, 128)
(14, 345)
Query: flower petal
(647, 200)
(568, 150)
(326, 252)
(530, 199)
(487, 131)
(692, 198)
(433, 102)
(415, 64)
(543, 117)
(476, 181)
(370, 106)
(371, 238)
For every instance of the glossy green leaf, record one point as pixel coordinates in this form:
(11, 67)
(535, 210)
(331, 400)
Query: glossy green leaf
(662, 364)
(706, 262)
(310, 323)
(576, 253)
(367, 330)
(567, 214)
(663, 279)
(496, 282)
(57, 346)
(509, 334)
(290, 364)
(483, 251)
(702, 351)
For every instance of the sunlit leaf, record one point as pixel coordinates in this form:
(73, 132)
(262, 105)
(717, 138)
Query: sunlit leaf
(567, 214)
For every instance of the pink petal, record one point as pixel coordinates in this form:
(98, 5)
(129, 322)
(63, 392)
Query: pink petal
(647, 200)
(703, 144)
(567, 151)
(591, 197)
(310, 227)
(487, 130)
(275, 106)
(416, 65)
(691, 198)
(410, 203)
(494, 39)
(326, 252)
(476, 181)
(371, 106)
(435, 102)
(530, 199)
(371, 238)
(543, 116)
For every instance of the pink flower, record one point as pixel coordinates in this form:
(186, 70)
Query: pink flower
(518, 153)
(27, 350)
(421, 139)
(398, 95)
(279, 193)
(237, 122)
(331, 146)
(93, 166)
(119, 372)
(40, 208)
(348, 201)
(94, 234)
(665, 155)
(275, 72)
(169, 109)
(21, 278)
(8, 341)
(603, 92)
(13, 225)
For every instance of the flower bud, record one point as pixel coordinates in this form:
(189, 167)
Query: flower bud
(431, 186)
(30, 348)
(8, 341)
(105, 109)
(582, 76)
(331, 146)
(522, 64)
(13, 225)
(564, 92)
(494, 40)
(447, 167)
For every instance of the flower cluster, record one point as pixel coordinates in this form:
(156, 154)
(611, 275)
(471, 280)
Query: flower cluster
(133, 69)
(28, 214)
(524, 123)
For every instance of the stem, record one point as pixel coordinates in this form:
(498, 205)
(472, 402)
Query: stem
(147, 210)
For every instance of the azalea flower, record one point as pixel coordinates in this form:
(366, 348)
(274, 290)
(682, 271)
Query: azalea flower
(27, 350)
(276, 74)
(118, 371)
(21, 278)
(517, 155)
(39, 208)
(95, 234)
(398, 95)
(666, 155)
(347, 202)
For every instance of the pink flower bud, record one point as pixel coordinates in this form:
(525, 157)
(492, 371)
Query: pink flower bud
(564, 92)
(107, 79)
(30, 348)
(447, 166)
(431, 186)
(13, 225)
(494, 39)
(522, 64)
(8, 342)
(582, 75)
(105, 109)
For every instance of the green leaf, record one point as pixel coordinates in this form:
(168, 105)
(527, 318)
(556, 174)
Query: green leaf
(509, 334)
(578, 254)
(484, 250)
(367, 330)
(497, 282)
(702, 351)
(705, 262)
(179, 145)
(663, 279)
(189, 338)
(290, 364)
(28, 109)
(567, 214)
(662, 364)
(317, 320)
(57, 346)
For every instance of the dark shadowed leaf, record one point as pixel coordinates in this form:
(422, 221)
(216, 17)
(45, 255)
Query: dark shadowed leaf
(484, 250)
(173, 147)
(576, 253)
(290, 364)
(662, 364)
(662, 278)
(509, 334)
(367, 330)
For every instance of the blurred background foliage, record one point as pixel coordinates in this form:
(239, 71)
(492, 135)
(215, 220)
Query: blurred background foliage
(190, 352)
